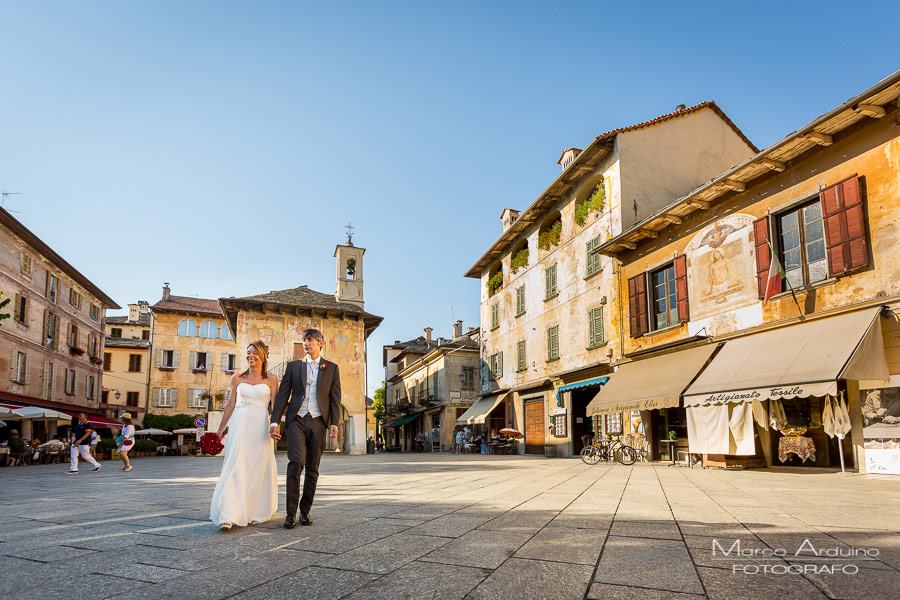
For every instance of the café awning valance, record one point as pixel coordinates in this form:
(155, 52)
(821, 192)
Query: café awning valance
(478, 412)
(795, 361)
(650, 383)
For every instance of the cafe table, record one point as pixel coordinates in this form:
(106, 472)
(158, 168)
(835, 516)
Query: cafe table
(671, 450)
(804, 447)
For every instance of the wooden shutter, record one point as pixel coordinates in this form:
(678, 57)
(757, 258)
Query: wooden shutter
(681, 288)
(13, 362)
(553, 287)
(637, 305)
(48, 380)
(155, 396)
(192, 360)
(173, 397)
(845, 227)
(27, 371)
(224, 363)
(16, 313)
(157, 358)
(520, 300)
(499, 365)
(595, 327)
(520, 358)
(46, 329)
(56, 322)
(763, 254)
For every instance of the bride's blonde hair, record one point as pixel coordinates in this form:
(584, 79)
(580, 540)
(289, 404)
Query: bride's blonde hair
(263, 351)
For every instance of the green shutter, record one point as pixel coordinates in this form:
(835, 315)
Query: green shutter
(499, 365)
(495, 315)
(520, 300)
(553, 343)
(593, 260)
(553, 280)
(595, 326)
(521, 355)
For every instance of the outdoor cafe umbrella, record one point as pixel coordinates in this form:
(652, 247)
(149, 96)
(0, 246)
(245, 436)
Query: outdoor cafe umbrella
(152, 432)
(511, 432)
(188, 430)
(35, 413)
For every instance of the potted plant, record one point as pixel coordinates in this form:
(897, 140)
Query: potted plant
(205, 396)
(673, 435)
(495, 282)
(75, 351)
(198, 371)
(97, 361)
(593, 203)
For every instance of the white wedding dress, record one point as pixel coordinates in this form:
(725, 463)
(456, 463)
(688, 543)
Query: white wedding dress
(247, 489)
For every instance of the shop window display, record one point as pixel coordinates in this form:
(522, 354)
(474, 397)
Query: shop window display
(881, 429)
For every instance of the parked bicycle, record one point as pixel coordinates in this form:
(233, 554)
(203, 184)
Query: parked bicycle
(609, 450)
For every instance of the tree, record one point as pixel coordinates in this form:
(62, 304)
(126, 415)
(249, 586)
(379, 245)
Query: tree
(378, 402)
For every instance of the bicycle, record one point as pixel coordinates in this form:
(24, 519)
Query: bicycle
(607, 451)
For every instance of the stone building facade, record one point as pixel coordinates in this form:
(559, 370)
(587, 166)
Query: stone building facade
(278, 318)
(127, 364)
(431, 383)
(825, 200)
(193, 352)
(546, 297)
(51, 346)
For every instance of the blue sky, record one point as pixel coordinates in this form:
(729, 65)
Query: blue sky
(222, 146)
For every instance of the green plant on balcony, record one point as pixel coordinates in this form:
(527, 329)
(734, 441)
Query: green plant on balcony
(495, 282)
(593, 203)
(550, 237)
(519, 260)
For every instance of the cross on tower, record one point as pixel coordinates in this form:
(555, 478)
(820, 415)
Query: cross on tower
(350, 229)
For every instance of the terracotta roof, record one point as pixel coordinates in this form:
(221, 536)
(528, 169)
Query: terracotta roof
(114, 342)
(586, 160)
(58, 261)
(680, 113)
(143, 320)
(299, 298)
(188, 304)
(884, 95)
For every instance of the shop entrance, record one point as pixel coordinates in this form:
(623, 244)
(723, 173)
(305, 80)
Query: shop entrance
(805, 431)
(582, 425)
(534, 426)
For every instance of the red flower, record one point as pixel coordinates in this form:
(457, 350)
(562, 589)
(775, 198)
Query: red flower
(322, 366)
(210, 443)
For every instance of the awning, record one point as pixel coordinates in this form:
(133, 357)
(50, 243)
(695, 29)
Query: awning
(94, 419)
(650, 383)
(36, 413)
(405, 420)
(478, 412)
(795, 361)
(597, 381)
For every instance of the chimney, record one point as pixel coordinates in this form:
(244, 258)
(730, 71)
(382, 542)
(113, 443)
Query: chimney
(457, 329)
(166, 291)
(134, 312)
(144, 307)
(567, 157)
(470, 329)
(428, 331)
(508, 217)
(441, 341)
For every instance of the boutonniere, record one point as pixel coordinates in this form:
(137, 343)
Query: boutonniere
(322, 366)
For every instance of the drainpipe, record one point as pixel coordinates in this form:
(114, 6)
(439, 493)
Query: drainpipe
(618, 265)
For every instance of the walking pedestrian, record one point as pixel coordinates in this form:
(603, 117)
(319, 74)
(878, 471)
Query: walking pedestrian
(95, 439)
(126, 441)
(81, 445)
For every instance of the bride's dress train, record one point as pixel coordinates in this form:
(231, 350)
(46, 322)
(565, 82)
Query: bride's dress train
(247, 489)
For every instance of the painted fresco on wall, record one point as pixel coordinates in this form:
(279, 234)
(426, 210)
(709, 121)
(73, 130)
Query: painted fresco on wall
(268, 329)
(722, 274)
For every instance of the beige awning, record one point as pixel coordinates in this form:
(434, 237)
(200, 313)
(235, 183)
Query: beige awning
(795, 361)
(478, 412)
(650, 383)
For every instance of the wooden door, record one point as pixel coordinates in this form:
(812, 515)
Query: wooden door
(534, 427)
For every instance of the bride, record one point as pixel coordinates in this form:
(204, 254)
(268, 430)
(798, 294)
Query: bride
(247, 490)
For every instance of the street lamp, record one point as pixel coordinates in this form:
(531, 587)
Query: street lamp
(118, 394)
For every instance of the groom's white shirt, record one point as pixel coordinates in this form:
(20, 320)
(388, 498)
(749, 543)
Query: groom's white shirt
(312, 384)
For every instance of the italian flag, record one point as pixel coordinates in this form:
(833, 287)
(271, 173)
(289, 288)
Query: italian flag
(775, 276)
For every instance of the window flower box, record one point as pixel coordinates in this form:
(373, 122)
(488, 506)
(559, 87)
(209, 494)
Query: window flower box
(199, 371)
(166, 368)
(495, 282)
(550, 237)
(229, 371)
(96, 361)
(519, 260)
(74, 351)
(593, 203)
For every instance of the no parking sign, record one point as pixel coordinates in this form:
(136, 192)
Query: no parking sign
(199, 422)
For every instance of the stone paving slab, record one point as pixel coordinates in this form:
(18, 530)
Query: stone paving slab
(452, 527)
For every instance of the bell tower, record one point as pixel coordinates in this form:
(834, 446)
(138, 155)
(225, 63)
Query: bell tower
(349, 262)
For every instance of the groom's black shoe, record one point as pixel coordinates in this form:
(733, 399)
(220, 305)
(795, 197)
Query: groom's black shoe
(305, 520)
(289, 522)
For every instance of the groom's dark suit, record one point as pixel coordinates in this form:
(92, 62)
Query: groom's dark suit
(305, 433)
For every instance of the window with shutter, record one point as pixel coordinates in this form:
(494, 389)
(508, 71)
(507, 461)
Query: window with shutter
(49, 371)
(51, 291)
(595, 327)
(763, 254)
(192, 360)
(845, 227)
(495, 316)
(664, 297)
(520, 356)
(550, 282)
(801, 244)
(499, 365)
(26, 265)
(553, 343)
(593, 259)
(681, 289)
(637, 305)
(520, 300)
(107, 361)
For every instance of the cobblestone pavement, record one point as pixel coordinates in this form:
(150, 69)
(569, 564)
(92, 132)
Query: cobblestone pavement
(443, 526)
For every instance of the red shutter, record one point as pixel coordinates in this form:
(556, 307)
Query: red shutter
(845, 227)
(637, 305)
(763, 254)
(681, 288)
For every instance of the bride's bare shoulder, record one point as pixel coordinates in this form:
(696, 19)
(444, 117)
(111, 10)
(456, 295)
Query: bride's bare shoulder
(272, 379)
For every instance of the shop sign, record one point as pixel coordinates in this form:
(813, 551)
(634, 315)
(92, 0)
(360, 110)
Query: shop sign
(462, 402)
(884, 461)
(621, 407)
(800, 390)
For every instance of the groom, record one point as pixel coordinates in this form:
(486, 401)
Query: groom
(311, 392)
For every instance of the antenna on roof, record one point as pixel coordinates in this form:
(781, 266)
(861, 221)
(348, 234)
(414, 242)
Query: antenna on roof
(4, 196)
